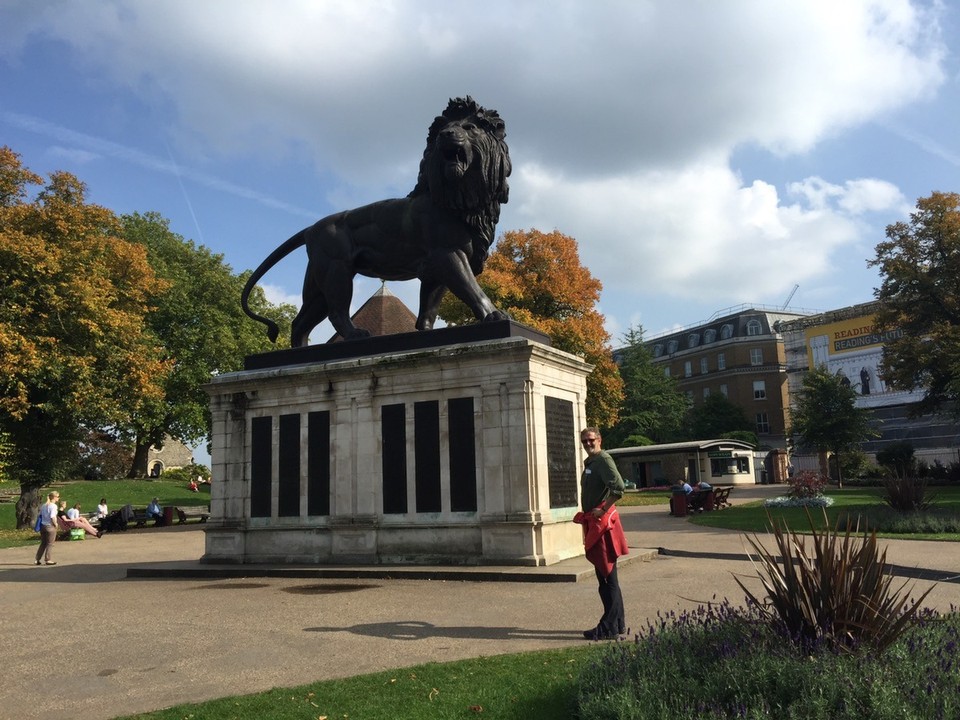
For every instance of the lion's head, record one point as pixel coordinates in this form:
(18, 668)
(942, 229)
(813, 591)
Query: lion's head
(465, 167)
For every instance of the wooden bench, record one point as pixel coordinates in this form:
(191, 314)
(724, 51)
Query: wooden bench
(721, 496)
(189, 511)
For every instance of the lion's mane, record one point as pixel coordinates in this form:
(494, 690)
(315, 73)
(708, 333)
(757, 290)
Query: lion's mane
(477, 194)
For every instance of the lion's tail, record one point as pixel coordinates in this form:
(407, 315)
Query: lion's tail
(276, 256)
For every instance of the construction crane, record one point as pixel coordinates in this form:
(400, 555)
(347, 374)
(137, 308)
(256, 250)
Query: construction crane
(790, 296)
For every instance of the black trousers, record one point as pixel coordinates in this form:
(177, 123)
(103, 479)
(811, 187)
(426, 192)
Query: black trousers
(612, 622)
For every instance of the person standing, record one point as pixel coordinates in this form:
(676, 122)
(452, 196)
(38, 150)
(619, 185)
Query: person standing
(48, 528)
(600, 488)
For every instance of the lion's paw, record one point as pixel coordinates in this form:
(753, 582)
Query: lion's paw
(496, 316)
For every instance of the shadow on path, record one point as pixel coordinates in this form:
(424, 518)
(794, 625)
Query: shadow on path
(417, 630)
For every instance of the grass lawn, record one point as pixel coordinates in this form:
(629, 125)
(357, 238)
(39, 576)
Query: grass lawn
(527, 686)
(752, 516)
(88, 493)
(644, 497)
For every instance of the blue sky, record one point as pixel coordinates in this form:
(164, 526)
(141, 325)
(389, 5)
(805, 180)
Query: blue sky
(703, 154)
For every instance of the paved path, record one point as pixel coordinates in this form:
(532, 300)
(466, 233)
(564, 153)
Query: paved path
(131, 645)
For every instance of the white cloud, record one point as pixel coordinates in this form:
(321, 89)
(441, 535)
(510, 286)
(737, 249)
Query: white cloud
(622, 115)
(278, 295)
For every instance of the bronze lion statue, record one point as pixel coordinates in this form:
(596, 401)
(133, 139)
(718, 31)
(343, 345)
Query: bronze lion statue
(440, 233)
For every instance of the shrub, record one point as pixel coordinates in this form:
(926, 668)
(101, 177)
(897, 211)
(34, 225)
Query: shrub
(718, 662)
(898, 457)
(186, 474)
(905, 494)
(933, 521)
(836, 593)
(807, 484)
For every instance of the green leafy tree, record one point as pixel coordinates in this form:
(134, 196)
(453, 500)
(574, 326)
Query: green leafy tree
(826, 416)
(538, 279)
(653, 408)
(199, 327)
(920, 301)
(717, 417)
(74, 348)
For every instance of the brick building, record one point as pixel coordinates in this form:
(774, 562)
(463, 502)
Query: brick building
(739, 354)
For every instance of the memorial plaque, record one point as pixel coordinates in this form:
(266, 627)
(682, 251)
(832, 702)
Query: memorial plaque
(563, 472)
(393, 426)
(318, 463)
(463, 455)
(261, 463)
(288, 476)
(426, 424)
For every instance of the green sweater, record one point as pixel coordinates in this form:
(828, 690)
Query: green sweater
(600, 479)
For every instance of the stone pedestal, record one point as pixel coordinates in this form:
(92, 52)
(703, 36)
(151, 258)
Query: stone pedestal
(461, 453)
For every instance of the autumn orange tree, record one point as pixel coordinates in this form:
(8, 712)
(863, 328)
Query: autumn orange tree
(538, 279)
(74, 352)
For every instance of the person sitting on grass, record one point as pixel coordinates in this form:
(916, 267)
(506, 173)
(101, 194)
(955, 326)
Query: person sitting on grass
(193, 486)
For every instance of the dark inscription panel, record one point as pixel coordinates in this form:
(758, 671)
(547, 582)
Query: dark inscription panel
(463, 455)
(288, 479)
(562, 475)
(261, 462)
(426, 424)
(318, 463)
(394, 468)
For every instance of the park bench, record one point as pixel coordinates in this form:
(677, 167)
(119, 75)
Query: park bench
(721, 496)
(189, 511)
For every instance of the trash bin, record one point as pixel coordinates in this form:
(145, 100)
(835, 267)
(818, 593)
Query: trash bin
(708, 501)
(678, 504)
(168, 515)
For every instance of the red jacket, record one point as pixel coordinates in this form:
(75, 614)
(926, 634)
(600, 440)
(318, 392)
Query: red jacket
(603, 539)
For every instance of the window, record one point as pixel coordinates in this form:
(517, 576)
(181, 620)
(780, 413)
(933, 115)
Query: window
(687, 369)
(689, 394)
(763, 425)
(672, 346)
(704, 366)
(721, 361)
(726, 331)
(706, 393)
(743, 465)
(754, 327)
(759, 389)
(658, 350)
(693, 339)
(666, 371)
(709, 335)
(756, 356)
(723, 390)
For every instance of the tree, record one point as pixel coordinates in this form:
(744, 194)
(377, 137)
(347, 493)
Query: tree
(537, 278)
(652, 408)
(717, 417)
(920, 302)
(199, 327)
(74, 351)
(826, 416)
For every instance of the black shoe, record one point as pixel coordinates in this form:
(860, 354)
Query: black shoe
(39, 563)
(596, 634)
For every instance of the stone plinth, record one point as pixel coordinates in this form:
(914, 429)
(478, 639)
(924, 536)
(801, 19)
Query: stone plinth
(462, 453)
